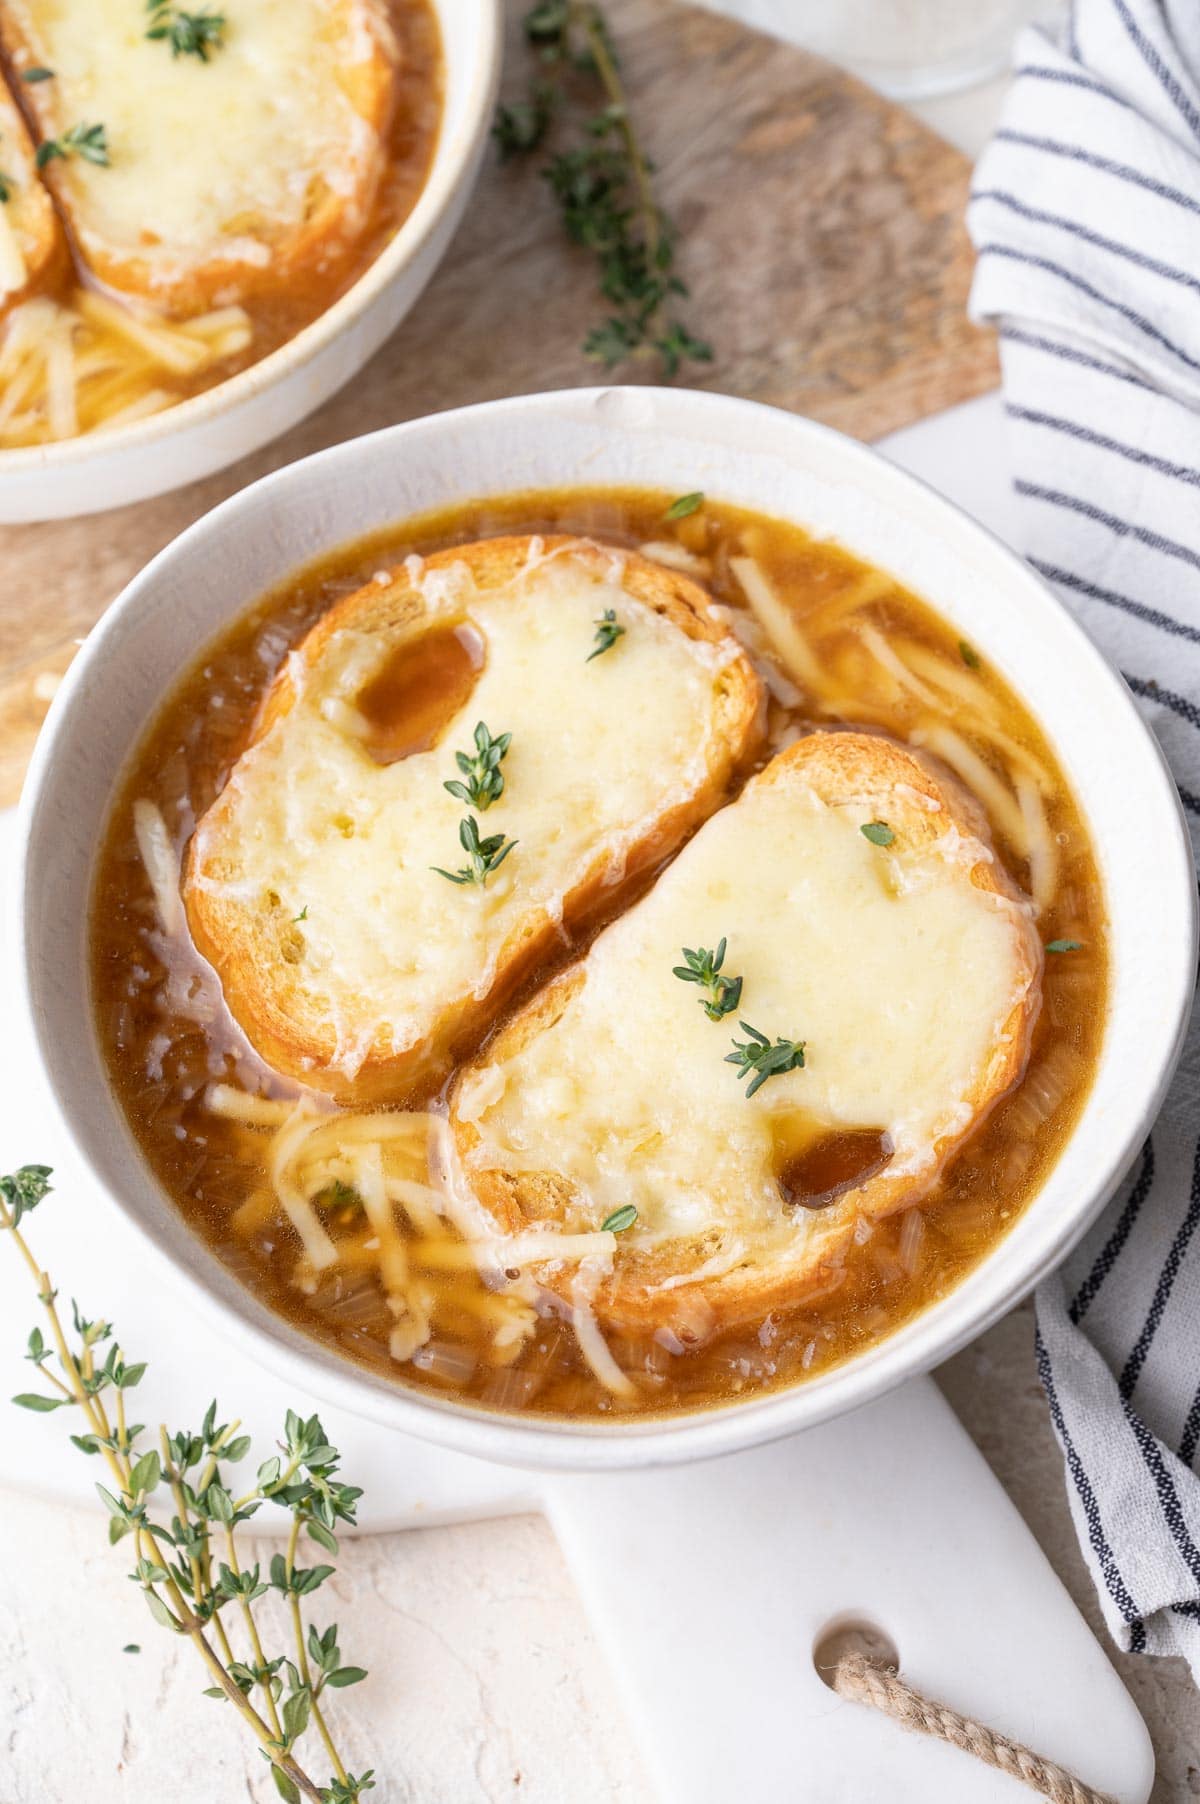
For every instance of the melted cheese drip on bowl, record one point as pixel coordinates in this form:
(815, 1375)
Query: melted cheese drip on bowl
(206, 158)
(897, 972)
(599, 750)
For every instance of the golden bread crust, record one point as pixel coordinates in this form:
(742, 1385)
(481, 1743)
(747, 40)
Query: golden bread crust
(28, 211)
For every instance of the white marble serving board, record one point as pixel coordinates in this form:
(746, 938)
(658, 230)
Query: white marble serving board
(707, 1585)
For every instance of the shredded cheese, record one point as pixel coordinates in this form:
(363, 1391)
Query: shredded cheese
(87, 362)
(676, 557)
(161, 860)
(883, 654)
(1043, 850)
(592, 1344)
(776, 620)
(240, 1105)
(983, 782)
(318, 1247)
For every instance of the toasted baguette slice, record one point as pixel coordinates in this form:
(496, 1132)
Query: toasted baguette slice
(349, 959)
(33, 250)
(229, 176)
(910, 971)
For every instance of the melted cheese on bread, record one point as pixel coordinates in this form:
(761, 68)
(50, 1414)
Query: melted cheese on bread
(31, 241)
(311, 885)
(909, 971)
(224, 175)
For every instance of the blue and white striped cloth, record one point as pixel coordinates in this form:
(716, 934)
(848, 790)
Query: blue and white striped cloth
(1086, 216)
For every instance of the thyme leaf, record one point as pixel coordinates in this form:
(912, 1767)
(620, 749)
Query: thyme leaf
(36, 74)
(686, 504)
(1064, 946)
(969, 655)
(188, 34)
(6, 188)
(338, 1195)
(758, 1056)
(602, 182)
(878, 832)
(87, 141)
(607, 634)
(523, 125)
(485, 855)
(485, 779)
(619, 1220)
(704, 968)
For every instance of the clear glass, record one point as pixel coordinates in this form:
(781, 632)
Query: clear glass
(909, 49)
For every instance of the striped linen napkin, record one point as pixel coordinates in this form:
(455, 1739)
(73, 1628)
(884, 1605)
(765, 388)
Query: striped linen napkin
(1086, 216)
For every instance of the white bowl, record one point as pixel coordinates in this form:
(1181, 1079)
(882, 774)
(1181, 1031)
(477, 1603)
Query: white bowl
(678, 441)
(149, 456)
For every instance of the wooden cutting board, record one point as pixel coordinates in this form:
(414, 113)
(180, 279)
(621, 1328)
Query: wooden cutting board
(821, 234)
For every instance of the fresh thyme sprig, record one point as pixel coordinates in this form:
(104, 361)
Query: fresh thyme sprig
(603, 186)
(486, 855)
(704, 967)
(607, 634)
(87, 141)
(757, 1055)
(183, 1517)
(188, 34)
(485, 779)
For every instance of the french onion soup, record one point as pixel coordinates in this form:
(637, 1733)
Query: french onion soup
(183, 192)
(597, 953)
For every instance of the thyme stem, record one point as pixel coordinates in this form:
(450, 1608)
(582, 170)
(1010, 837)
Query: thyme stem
(606, 69)
(255, 1642)
(603, 184)
(302, 1655)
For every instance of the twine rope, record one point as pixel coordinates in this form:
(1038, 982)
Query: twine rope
(879, 1685)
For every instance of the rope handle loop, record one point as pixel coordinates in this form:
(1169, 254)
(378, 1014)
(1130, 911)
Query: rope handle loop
(878, 1684)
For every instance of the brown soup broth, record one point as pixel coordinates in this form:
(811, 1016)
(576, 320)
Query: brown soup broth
(164, 1041)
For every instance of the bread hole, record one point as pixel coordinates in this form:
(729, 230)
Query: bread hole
(420, 687)
(835, 1162)
(852, 1634)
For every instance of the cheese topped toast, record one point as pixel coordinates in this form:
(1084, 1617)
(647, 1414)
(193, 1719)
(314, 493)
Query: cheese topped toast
(225, 175)
(32, 246)
(359, 943)
(902, 962)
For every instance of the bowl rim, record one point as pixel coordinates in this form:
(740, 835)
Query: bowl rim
(938, 1331)
(451, 163)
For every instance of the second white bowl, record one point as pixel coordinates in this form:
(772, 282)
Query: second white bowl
(192, 439)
